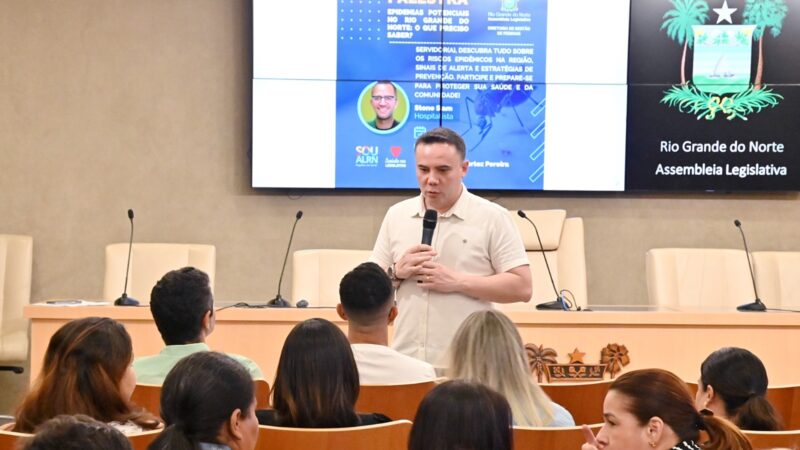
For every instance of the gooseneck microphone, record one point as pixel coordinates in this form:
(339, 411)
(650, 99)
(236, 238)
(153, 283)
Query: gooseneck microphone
(428, 225)
(279, 301)
(124, 300)
(757, 305)
(558, 304)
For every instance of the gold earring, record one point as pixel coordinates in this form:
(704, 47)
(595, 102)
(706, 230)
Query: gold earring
(653, 444)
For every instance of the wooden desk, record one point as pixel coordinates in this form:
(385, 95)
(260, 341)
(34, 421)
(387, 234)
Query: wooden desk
(675, 340)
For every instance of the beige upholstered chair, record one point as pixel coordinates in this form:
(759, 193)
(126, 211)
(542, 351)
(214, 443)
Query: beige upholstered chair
(16, 262)
(316, 273)
(149, 262)
(562, 240)
(778, 278)
(704, 277)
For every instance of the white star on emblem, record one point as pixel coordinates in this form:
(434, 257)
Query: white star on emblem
(725, 12)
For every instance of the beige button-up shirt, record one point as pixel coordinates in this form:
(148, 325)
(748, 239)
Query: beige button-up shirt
(476, 237)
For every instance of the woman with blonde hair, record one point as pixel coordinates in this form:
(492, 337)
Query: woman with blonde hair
(488, 349)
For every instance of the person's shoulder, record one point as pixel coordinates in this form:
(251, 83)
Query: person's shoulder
(487, 206)
(372, 418)
(561, 417)
(267, 417)
(411, 203)
(249, 364)
(424, 366)
(404, 208)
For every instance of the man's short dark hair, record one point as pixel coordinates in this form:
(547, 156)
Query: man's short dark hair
(444, 135)
(178, 303)
(78, 432)
(365, 292)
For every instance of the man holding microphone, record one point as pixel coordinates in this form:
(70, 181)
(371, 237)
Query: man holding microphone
(475, 257)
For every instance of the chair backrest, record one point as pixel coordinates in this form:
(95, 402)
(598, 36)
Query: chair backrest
(262, 393)
(396, 401)
(584, 400)
(778, 278)
(149, 262)
(385, 436)
(16, 263)
(316, 273)
(768, 440)
(563, 244)
(10, 439)
(550, 438)
(786, 401)
(148, 396)
(698, 277)
(140, 441)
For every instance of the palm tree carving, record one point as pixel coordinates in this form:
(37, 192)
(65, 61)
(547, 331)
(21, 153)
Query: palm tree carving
(678, 23)
(538, 359)
(764, 14)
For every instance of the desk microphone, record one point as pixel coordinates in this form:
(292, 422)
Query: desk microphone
(124, 300)
(757, 305)
(279, 301)
(558, 304)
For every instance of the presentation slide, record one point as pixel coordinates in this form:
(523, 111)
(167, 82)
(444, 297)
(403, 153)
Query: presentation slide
(572, 95)
(479, 67)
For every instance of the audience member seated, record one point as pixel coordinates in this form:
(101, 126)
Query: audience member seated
(462, 415)
(78, 432)
(87, 370)
(488, 349)
(733, 384)
(183, 308)
(208, 403)
(653, 409)
(367, 303)
(316, 385)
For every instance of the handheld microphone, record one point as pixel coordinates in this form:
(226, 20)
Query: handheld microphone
(428, 225)
(124, 300)
(558, 304)
(756, 305)
(279, 301)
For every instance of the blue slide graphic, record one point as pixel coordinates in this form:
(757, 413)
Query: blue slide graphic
(478, 67)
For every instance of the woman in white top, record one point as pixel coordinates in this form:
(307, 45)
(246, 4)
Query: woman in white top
(488, 349)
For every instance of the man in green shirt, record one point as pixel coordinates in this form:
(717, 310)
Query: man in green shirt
(183, 309)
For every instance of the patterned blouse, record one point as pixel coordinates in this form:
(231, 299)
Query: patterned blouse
(686, 445)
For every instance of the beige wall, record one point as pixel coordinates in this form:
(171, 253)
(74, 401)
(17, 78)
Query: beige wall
(107, 105)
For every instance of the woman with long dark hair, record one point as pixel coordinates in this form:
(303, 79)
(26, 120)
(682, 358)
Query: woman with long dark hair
(462, 415)
(316, 385)
(733, 384)
(208, 402)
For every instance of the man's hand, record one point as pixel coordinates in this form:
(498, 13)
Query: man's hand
(440, 278)
(410, 264)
